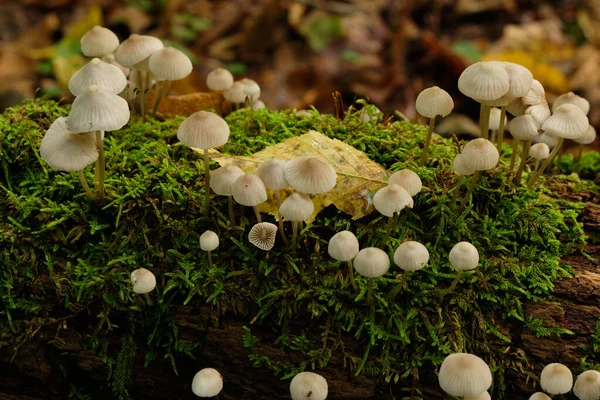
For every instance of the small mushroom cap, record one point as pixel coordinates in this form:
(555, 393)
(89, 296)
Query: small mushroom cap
(66, 151)
(308, 386)
(539, 151)
(297, 207)
(549, 139)
(495, 118)
(223, 179)
(535, 95)
(588, 137)
(516, 107)
(258, 105)
(480, 155)
(485, 80)
(208, 382)
(250, 89)
(523, 127)
(411, 256)
(143, 281)
(97, 110)
(540, 112)
(209, 241)
(434, 101)
(572, 98)
(483, 396)
(310, 175)
(235, 93)
(272, 174)
(464, 256)
(262, 235)
(203, 130)
(459, 166)
(371, 262)
(136, 49)
(249, 190)
(464, 375)
(407, 179)
(392, 199)
(170, 64)
(219, 79)
(520, 79)
(567, 121)
(587, 385)
(556, 378)
(343, 246)
(97, 72)
(98, 42)
(540, 396)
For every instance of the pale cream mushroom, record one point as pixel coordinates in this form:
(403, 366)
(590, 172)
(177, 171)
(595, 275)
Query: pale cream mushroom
(463, 257)
(168, 64)
(430, 103)
(371, 262)
(143, 282)
(523, 129)
(464, 375)
(209, 241)
(222, 181)
(98, 42)
(478, 155)
(407, 179)
(249, 190)
(409, 256)
(207, 382)
(539, 152)
(310, 175)
(588, 138)
(343, 246)
(389, 201)
(556, 379)
(262, 235)
(272, 174)
(587, 385)
(99, 73)
(308, 386)
(297, 207)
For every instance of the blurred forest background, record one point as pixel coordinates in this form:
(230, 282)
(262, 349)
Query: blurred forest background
(300, 51)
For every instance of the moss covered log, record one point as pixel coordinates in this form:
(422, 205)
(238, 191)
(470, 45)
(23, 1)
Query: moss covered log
(71, 325)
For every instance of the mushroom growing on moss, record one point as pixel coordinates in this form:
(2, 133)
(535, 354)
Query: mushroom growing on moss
(478, 155)
(168, 64)
(556, 379)
(272, 174)
(343, 246)
(207, 382)
(430, 103)
(463, 257)
(143, 282)
(249, 190)
(209, 241)
(409, 256)
(371, 263)
(262, 235)
(308, 386)
(523, 129)
(99, 73)
(389, 201)
(98, 42)
(464, 375)
(296, 208)
(587, 385)
(222, 181)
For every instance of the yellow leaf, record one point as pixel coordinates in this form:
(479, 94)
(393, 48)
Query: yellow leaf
(66, 66)
(357, 176)
(91, 19)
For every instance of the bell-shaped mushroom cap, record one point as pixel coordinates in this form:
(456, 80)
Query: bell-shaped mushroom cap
(222, 179)
(587, 385)
(371, 262)
(208, 382)
(249, 190)
(523, 127)
(572, 98)
(308, 386)
(310, 175)
(459, 166)
(540, 396)
(203, 130)
(98, 42)
(235, 93)
(464, 256)
(483, 396)
(567, 121)
(136, 49)
(258, 105)
(407, 179)
(540, 112)
(272, 174)
(539, 151)
(143, 281)
(262, 235)
(588, 137)
(411, 256)
(556, 378)
(97, 110)
(97, 72)
(297, 207)
(485, 80)
(392, 199)
(464, 375)
(495, 118)
(480, 155)
(501, 102)
(209, 241)
(169, 64)
(535, 95)
(343, 246)
(520, 79)
(66, 151)
(434, 101)
(250, 89)
(516, 107)
(219, 79)
(549, 139)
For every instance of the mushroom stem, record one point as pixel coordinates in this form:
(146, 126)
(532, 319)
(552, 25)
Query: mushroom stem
(515, 150)
(294, 233)
(148, 299)
(257, 213)
(524, 153)
(142, 81)
(370, 292)
(231, 214)
(100, 167)
(484, 120)
(537, 166)
(351, 276)
(160, 94)
(558, 165)
(500, 138)
(451, 288)
(545, 164)
(145, 94)
(427, 141)
(210, 264)
(206, 181)
(465, 199)
(397, 289)
(85, 185)
(579, 153)
(279, 219)
(456, 189)
(388, 231)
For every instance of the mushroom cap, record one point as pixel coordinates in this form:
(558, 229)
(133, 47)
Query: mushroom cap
(371, 262)
(495, 118)
(209, 241)
(480, 155)
(249, 190)
(106, 76)
(235, 93)
(272, 174)
(258, 105)
(486, 80)
(136, 48)
(392, 199)
(567, 121)
(170, 64)
(66, 151)
(572, 98)
(250, 89)
(540, 112)
(539, 151)
(500, 102)
(588, 137)
(343, 246)
(411, 256)
(297, 207)
(540, 396)
(464, 256)
(524, 127)
(97, 110)
(407, 179)
(535, 95)
(98, 42)
(549, 139)
(520, 79)
(434, 101)
(143, 281)
(516, 107)
(310, 175)
(556, 378)
(464, 375)
(459, 166)
(308, 386)
(219, 79)
(483, 396)
(223, 178)
(587, 385)
(203, 130)
(207, 382)
(262, 235)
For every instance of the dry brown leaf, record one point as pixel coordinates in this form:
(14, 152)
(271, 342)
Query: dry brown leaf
(357, 176)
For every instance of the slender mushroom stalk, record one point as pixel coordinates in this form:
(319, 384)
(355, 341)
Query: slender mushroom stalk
(278, 216)
(273, 175)
(545, 164)
(454, 283)
(296, 208)
(388, 230)
(515, 150)
(222, 181)
(430, 103)
(100, 166)
(400, 285)
(458, 165)
(164, 88)
(207, 180)
(467, 196)
(427, 141)
(524, 153)
(257, 213)
(231, 213)
(85, 185)
(294, 233)
(588, 138)
(388, 201)
(501, 128)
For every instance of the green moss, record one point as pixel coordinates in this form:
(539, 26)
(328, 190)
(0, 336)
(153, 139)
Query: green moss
(55, 244)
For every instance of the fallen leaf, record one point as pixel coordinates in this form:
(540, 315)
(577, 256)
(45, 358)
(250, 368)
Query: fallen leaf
(357, 176)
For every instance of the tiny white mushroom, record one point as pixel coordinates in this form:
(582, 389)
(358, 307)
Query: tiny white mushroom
(207, 382)
(262, 235)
